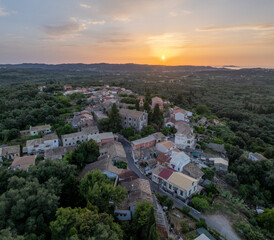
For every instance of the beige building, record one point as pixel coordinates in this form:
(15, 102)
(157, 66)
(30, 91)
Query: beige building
(176, 183)
(133, 118)
(23, 163)
(74, 138)
(9, 152)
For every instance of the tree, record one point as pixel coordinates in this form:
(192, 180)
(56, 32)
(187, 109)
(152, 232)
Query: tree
(148, 130)
(208, 173)
(115, 124)
(266, 219)
(64, 172)
(199, 203)
(28, 207)
(129, 132)
(184, 226)
(6, 234)
(157, 116)
(103, 124)
(141, 218)
(202, 109)
(137, 104)
(84, 224)
(66, 129)
(87, 152)
(97, 189)
(232, 179)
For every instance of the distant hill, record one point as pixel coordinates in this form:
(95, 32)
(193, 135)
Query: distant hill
(130, 67)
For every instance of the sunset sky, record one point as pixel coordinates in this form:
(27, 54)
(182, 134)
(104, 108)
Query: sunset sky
(186, 32)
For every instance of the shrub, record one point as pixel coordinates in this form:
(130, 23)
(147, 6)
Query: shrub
(184, 226)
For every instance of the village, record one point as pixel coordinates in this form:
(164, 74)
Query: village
(167, 159)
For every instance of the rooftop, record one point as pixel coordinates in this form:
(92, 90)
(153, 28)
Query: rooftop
(193, 170)
(219, 160)
(39, 128)
(104, 164)
(9, 150)
(71, 135)
(113, 149)
(184, 129)
(51, 153)
(99, 137)
(143, 140)
(127, 176)
(166, 173)
(24, 162)
(130, 113)
(167, 144)
(138, 190)
(181, 180)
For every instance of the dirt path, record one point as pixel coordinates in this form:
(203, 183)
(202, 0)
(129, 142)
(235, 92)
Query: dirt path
(222, 225)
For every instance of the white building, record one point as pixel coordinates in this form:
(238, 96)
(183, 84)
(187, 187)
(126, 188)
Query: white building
(165, 147)
(44, 129)
(176, 183)
(184, 136)
(178, 161)
(42, 144)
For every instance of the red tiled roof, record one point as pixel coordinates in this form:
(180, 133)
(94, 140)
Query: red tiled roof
(171, 120)
(166, 173)
(163, 158)
(177, 110)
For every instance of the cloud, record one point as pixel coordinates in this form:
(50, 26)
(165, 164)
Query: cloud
(121, 19)
(96, 22)
(67, 29)
(256, 27)
(181, 12)
(85, 5)
(3, 12)
(169, 44)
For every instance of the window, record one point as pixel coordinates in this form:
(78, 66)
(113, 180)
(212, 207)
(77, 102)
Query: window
(170, 186)
(195, 188)
(65, 140)
(165, 184)
(182, 193)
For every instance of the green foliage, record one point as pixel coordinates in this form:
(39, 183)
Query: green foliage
(165, 200)
(135, 137)
(128, 100)
(201, 223)
(143, 221)
(184, 227)
(66, 129)
(249, 232)
(168, 130)
(200, 203)
(208, 173)
(120, 164)
(87, 152)
(28, 206)
(103, 124)
(129, 132)
(232, 179)
(97, 189)
(6, 234)
(186, 210)
(157, 116)
(83, 224)
(266, 219)
(202, 109)
(115, 124)
(148, 130)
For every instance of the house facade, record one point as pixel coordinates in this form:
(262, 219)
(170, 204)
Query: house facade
(9, 152)
(184, 136)
(176, 183)
(133, 118)
(44, 129)
(42, 144)
(145, 142)
(178, 161)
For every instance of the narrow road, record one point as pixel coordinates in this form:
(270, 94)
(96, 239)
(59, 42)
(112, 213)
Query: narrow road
(178, 203)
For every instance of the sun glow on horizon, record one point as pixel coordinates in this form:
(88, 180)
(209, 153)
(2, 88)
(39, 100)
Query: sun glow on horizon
(163, 57)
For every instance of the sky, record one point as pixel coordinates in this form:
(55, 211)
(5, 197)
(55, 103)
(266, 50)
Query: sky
(186, 32)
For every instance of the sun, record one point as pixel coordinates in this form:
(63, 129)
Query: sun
(163, 57)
